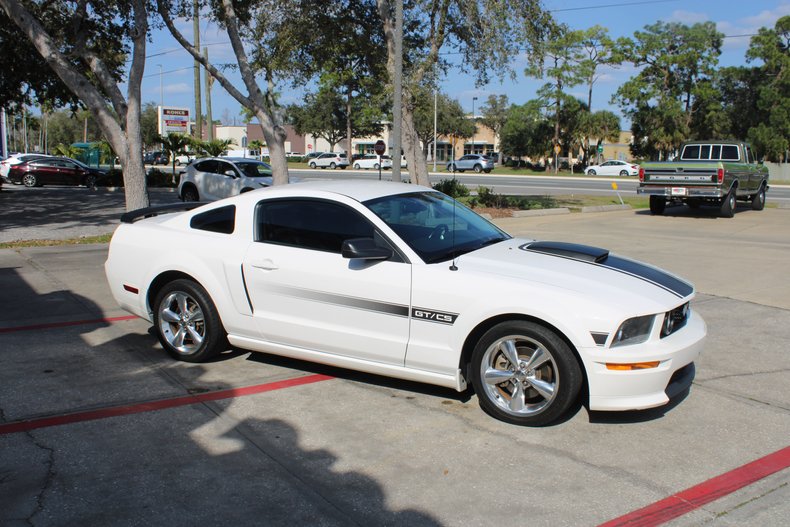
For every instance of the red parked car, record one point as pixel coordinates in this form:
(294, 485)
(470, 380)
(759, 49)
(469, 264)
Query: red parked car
(54, 171)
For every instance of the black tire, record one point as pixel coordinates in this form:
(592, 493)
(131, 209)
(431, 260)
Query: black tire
(487, 171)
(478, 168)
(375, 166)
(187, 323)
(623, 172)
(30, 180)
(591, 172)
(657, 204)
(312, 165)
(356, 166)
(332, 165)
(190, 193)
(728, 205)
(90, 181)
(527, 395)
(451, 167)
(758, 200)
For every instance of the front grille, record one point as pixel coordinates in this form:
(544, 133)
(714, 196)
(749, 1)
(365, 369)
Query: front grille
(674, 320)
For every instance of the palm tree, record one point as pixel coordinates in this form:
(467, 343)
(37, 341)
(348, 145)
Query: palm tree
(215, 147)
(173, 145)
(67, 151)
(256, 145)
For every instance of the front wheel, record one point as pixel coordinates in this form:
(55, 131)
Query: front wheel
(657, 204)
(728, 205)
(29, 180)
(90, 181)
(478, 168)
(758, 200)
(332, 165)
(591, 172)
(524, 373)
(187, 323)
(356, 166)
(312, 165)
(190, 193)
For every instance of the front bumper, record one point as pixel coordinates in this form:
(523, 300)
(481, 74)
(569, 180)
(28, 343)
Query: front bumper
(682, 192)
(647, 388)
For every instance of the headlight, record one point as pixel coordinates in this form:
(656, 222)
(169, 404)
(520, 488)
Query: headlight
(633, 331)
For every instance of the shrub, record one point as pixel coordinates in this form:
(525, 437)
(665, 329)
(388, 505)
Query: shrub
(159, 178)
(488, 198)
(114, 178)
(452, 187)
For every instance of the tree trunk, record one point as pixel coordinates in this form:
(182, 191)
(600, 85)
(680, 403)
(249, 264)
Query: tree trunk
(275, 141)
(348, 124)
(417, 165)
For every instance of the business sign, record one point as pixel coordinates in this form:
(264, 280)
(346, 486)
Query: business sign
(173, 120)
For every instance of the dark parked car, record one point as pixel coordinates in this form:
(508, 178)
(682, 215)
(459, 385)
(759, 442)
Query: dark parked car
(156, 158)
(54, 171)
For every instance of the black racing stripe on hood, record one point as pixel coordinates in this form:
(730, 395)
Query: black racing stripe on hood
(601, 257)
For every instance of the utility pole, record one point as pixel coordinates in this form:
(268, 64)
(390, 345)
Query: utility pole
(435, 99)
(397, 92)
(209, 119)
(474, 123)
(198, 109)
(3, 137)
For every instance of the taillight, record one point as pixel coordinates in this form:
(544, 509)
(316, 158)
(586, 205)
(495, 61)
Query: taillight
(641, 174)
(720, 176)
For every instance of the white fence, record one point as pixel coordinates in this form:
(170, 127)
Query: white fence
(779, 172)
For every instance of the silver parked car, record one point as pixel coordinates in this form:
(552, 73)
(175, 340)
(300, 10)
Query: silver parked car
(331, 160)
(478, 163)
(214, 178)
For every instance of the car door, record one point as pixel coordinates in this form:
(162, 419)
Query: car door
(70, 173)
(46, 171)
(305, 294)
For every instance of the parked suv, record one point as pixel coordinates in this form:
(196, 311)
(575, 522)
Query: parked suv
(156, 158)
(476, 162)
(216, 178)
(331, 160)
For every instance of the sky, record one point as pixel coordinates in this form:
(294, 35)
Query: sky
(734, 18)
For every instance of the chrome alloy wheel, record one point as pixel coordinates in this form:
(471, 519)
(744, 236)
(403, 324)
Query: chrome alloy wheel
(519, 375)
(181, 322)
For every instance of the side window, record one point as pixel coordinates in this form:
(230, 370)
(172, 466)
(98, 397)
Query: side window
(691, 152)
(715, 152)
(223, 167)
(729, 153)
(749, 155)
(222, 220)
(309, 224)
(704, 152)
(209, 165)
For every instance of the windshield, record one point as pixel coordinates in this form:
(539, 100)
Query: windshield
(434, 225)
(255, 168)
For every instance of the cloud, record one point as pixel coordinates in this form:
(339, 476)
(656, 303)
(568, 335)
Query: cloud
(687, 17)
(750, 25)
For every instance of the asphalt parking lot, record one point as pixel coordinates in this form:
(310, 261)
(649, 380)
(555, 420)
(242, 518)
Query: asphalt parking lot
(99, 427)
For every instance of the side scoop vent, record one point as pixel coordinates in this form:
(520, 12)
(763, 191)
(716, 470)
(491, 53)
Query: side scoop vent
(568, 250)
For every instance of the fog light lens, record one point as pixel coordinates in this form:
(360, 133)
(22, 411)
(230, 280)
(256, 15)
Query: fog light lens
(632, 366)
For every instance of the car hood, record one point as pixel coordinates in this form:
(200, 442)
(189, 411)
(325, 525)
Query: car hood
(581, 270)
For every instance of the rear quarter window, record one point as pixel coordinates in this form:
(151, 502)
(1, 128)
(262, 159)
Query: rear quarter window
(221, 220)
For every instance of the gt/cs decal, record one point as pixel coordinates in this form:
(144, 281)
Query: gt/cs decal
(430, 315)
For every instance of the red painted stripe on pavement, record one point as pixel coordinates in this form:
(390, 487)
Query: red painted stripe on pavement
(152, 406)
(67, 324)
(690, 499)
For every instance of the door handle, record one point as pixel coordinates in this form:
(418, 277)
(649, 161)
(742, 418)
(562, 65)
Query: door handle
(266, 265)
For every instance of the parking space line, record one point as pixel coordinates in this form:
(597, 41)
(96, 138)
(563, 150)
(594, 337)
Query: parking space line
(152, 406)
(695, 497)
(67, 324)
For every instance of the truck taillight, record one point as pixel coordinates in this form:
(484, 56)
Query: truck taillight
(641, 174)
(720, 176)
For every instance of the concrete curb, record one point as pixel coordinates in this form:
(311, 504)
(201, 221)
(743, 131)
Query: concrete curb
(605, 208)
(540, 212)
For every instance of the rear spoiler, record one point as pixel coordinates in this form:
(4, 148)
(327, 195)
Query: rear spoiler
(149, 212)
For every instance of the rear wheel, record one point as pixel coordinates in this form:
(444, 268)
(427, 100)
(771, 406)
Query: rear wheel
(657, 204)
(728, 205)
(623, 172)
(190, 193)
(332, 165)
(312, 164)
(30, 180)
(524, 373)
(758, 200)
(376, 166)
(187, 322)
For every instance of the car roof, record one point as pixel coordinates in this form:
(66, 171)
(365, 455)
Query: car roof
(354, 189)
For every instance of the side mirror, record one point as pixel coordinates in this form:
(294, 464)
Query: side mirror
(364, 249)
(231, 173)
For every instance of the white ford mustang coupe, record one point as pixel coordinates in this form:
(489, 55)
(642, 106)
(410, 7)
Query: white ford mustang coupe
(400, 280)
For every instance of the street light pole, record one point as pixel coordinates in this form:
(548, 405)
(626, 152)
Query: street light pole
(435, 97)
(161, 88)
(474, 123)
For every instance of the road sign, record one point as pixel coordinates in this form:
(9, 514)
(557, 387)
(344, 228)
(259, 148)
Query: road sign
(600, 149)
(557, 149)
(379, 147)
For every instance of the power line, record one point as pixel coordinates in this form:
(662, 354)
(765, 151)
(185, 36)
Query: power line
(602, 6)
